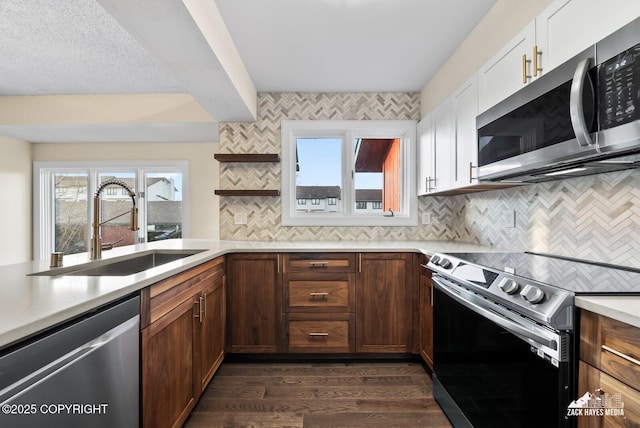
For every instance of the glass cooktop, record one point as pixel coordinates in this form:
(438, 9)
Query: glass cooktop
(581, 277)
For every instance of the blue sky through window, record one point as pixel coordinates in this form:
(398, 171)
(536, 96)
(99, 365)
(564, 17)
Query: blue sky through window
(319, 160)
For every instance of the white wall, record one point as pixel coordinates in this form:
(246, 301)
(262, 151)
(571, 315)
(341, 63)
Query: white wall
(203, 172)
(15, 188)
(501, 24)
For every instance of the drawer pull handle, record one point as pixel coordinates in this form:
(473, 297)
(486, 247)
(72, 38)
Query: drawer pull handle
(322, 296)
(621, 355)
(312, 335)
(200, 314)
(318, 264)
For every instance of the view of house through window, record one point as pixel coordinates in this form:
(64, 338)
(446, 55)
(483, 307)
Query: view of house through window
(71, 211)
(348, 173)
(318, 174)
(376, 174)
(164, 206)
(66, 198)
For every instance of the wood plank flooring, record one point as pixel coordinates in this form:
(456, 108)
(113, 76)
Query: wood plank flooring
(354, 394)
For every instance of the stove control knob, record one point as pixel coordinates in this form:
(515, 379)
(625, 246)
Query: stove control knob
(445, 263)
(509, 286)
(435, 260)
(532, 294)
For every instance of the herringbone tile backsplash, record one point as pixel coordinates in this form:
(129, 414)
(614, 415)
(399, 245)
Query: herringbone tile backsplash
(596, 217)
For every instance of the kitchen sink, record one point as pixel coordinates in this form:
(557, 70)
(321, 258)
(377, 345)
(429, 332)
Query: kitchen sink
(121, 266)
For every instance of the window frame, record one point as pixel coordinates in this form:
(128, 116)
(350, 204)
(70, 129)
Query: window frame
(44, 197)
(347, 131)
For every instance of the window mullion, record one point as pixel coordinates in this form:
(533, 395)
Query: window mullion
(348, 171)
(141, 235)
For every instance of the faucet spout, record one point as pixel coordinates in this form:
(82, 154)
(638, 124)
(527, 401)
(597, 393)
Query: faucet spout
(96, 238)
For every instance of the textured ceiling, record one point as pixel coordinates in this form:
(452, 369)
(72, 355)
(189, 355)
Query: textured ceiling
(72, 47)
(75, 47)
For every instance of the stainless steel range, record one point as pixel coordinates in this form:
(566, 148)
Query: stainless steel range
(504, 334)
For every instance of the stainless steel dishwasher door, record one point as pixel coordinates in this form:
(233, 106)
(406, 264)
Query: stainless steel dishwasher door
(84, 375)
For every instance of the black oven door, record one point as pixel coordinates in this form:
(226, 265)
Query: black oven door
(485, 376)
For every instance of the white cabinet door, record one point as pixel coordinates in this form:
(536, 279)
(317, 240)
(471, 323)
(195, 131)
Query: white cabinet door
(444, 145)
(465, 110)
(506, 72)
(426, 156)
(567, 27)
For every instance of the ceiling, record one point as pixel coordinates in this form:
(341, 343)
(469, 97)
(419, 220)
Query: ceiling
(221, 53)
(348, 45)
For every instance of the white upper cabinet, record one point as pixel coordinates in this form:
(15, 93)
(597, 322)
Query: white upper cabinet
(562, 30)
(436, 167)
(426, 156)
(507, 71)
(444, 145)
(567, 27)
(465, 110)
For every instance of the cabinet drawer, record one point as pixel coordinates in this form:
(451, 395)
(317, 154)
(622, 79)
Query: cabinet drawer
(611, 346)
(590, 380)
(320, 262)
(319, 293)
(620, 351)
(324, 334)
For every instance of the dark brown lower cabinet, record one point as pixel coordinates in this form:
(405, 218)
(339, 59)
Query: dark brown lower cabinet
(609, 366)
(254, 303)
(386, 291)
(426, 317)
(182, 338)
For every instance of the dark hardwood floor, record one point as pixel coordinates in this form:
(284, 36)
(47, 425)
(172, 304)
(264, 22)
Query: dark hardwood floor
(378, 394)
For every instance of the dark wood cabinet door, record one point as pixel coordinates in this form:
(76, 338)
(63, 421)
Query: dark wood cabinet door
(426, 318)
(386, 291)
(254, 303)
(169, 387)
(212, 327)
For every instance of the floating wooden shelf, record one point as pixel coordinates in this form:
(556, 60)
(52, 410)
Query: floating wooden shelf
(247, 192)
(247, 157)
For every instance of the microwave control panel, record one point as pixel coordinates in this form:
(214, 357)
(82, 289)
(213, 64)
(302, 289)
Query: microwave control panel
(619, 89)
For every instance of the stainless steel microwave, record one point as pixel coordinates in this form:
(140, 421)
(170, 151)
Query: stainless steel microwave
(581, 118)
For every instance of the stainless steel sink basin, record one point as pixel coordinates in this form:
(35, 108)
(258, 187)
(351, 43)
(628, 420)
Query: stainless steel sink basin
(121, 266)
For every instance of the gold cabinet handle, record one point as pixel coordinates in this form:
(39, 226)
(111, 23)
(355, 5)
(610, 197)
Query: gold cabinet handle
(471, 167)
(525, 62)
(536, 61)
(318, 334)
(321, 295)
(318, 264)
(204, 301)
(200, 314)
(621, 355)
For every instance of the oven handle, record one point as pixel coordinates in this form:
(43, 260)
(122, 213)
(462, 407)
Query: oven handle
(505, 323)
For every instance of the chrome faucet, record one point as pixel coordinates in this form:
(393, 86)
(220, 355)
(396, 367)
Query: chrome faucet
(96, 238)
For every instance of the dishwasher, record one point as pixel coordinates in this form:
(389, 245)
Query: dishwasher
(86, 373)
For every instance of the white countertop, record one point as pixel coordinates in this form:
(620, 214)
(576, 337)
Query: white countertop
(31, 304)
(622, 308)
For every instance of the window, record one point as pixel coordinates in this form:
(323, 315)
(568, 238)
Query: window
(315, 201)
(63, 195)
(302, 202)
(346, 164)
